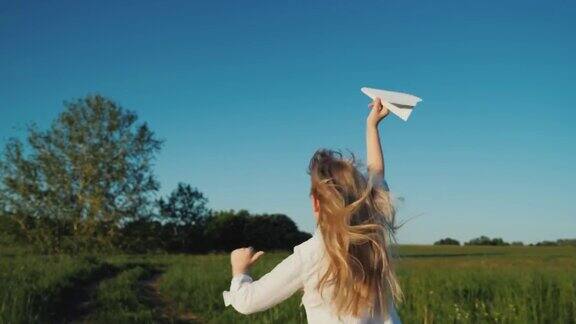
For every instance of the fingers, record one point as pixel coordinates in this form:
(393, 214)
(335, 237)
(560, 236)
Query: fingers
(256, 256)
(253, 256)
(384, 110)
(376, 102)
(248, 254)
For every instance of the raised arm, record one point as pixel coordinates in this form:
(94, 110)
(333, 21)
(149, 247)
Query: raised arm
(375, 158)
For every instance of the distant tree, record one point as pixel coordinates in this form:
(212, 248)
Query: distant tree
(184, 214)
(184, 206)
(270, 232)
(484, 240)
(77, 182)
(517, 243)
(565, 242)
(498, 242)
(212, 231)
(447, 241)
(227, 230)
(547, 243)
(143, 235)
(559, 242)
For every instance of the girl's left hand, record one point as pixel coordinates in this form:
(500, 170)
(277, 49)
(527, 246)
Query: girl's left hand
(242, 259)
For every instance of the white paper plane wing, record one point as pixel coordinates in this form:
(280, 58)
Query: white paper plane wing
(400, 104)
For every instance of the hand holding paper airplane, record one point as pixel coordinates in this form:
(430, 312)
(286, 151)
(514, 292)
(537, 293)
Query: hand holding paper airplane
(400, 104)
(377, 112)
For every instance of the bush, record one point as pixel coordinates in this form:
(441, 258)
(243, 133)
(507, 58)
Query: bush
(484, 240)
(227, 230)
(447, 241)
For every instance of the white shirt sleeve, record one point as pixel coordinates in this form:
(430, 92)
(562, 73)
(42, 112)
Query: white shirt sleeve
(247, 296)
(394, 318)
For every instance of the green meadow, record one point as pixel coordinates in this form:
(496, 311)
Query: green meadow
(442, 284)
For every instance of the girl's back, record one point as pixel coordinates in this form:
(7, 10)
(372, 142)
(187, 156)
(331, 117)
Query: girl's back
(301, 270)
(318, 306)
(345, 270)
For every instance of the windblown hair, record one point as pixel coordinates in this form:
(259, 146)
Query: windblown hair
(357, 223)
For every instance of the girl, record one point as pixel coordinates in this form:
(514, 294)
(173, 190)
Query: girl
(345, 269)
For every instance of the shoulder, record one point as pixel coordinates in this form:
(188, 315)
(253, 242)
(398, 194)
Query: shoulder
(311, 249)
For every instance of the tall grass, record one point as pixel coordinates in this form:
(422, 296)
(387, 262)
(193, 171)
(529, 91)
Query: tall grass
(441, 285)
(31, 287)
(196, 284)
(488, 285)
(120, 300)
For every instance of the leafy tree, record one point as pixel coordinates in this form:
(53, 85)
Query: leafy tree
(498, 242)
(78, 181)
(271, 232)
(558, 242)
(184, 213)
(227, 230)
(484, 240)
(566, 242)
(547, 243)
(447, 241)
(143, 235)
(184, 206)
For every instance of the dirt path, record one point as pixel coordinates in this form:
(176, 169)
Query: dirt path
(77, 301)
(167, 312)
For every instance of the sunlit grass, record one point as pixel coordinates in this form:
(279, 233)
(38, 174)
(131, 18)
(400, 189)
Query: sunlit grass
(31, 287)
(119, 299)
(441, 284)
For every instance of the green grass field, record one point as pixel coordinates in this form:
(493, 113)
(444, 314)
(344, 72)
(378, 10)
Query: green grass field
(442, 284)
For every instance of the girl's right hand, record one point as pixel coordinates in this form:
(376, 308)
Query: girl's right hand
(242, 259)
(377, 113)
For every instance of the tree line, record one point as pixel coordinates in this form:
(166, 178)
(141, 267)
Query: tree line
(485, 240)
(87, 184)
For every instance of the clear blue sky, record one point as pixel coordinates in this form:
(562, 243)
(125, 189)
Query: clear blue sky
(243, 92)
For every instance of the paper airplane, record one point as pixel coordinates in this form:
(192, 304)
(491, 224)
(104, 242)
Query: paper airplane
(400, 104)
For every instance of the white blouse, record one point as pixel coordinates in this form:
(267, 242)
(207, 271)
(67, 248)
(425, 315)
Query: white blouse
(301, 270)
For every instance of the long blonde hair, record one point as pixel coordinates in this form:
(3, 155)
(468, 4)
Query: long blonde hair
(357, 223)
